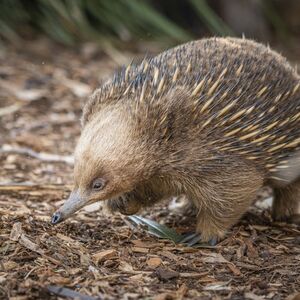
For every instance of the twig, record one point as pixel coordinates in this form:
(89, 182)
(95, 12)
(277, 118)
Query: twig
(43, 156)
(28, 274)
(27, 186)
(10, 109)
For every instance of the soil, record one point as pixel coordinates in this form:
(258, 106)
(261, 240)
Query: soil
(95, 255)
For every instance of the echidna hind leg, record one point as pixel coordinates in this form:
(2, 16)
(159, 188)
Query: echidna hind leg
(226, 199)
(286, 204)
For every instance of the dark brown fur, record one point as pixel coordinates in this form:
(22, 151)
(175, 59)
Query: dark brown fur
(214, 119)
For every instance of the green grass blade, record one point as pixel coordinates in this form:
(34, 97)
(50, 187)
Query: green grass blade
(211, 19)
(157, 229)
(154, 18)
(275, 19)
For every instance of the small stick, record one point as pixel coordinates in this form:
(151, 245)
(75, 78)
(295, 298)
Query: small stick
(43, 156)
(10, 109)
(27, 186)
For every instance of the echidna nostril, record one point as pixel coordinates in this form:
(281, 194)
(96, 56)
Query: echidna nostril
(56, 218)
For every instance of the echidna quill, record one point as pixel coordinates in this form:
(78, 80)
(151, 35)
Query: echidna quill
(214, 119)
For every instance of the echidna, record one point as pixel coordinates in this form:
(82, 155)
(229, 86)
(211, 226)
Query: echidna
(214, 119)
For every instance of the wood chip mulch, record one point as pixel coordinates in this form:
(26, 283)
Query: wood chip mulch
(95, 255)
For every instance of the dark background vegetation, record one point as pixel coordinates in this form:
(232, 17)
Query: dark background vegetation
(166, 22)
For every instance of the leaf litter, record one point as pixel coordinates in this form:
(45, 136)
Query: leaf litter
(95, 255)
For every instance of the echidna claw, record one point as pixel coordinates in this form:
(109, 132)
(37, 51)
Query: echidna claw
(188, 236)
(191, 239)
(213, 241)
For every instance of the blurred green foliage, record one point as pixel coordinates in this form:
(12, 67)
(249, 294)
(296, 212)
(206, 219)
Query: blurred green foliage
(71, 20)
(68, 21)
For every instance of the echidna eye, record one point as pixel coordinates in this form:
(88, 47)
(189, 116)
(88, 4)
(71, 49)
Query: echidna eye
(98, 184)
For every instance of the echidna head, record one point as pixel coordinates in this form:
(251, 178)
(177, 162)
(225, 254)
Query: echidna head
(108, 162)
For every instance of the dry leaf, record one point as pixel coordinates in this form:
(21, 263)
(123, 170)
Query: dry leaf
(235, 270)
(30, 95)
(139, 250)
(166, 296)
(59, 280)
(169, 255)
(74, 271)
(251, 250)
(9, 109)
(65, 238)
(154, 262)
(18, 298)
(207, 279)
(286, 272)
(9, 265)
(16, 232)
(125, 267)
(182, 291)
(191, 275)
(21, 93)
(95, 272)
(166, 273)
(105, 255)
(79, 89)
(84, 259)
(217, 287)
(260, 227)
(178, 295)
(214, 258)
(24, 241)
(252, 296)
(137, 277)
(3, 278)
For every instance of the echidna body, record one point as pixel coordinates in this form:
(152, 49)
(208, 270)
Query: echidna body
(214, 119)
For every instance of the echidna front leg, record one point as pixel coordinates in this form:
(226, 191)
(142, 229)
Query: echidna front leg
(286, 204)
(141, 197)
(225, 197)
(124, 204)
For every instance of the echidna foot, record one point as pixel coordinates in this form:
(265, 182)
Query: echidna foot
(191, 239)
